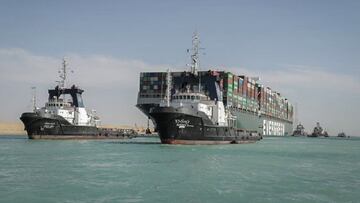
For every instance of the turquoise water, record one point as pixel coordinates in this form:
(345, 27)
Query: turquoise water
(272, 170)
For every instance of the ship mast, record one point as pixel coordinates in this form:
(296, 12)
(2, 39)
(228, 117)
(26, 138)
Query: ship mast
(34, 98)
(296, 114)
(168, 88)
(195, 54)
(63, 75)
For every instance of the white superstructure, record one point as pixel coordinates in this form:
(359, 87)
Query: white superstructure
(71, 109)
(196, 100)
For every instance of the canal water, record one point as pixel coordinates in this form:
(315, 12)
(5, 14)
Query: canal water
(276, 169)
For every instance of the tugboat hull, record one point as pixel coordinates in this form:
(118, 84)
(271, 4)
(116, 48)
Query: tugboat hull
(56, 127)
(186, 126)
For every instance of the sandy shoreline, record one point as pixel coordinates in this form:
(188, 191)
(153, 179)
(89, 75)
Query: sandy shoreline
(12, 129)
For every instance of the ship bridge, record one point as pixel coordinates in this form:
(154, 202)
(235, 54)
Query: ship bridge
(74, 92)
(190, 97)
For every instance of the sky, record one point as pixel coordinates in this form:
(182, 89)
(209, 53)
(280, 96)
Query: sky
(307, 50)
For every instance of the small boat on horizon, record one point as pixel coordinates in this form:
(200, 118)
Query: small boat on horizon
(342, 134)
(318, 131)
(299, 131)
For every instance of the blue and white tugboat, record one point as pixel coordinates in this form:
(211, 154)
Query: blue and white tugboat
(64, 116)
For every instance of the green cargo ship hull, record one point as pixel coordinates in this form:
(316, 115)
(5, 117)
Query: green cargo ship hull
(263, 124)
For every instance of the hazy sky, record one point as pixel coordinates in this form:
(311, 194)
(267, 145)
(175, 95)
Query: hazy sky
(307, 50)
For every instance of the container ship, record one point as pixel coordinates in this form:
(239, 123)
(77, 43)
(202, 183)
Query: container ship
(64, 116)
(212, 107)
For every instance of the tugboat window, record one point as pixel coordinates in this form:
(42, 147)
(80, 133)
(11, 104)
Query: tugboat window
(192, 97)
(79, 100)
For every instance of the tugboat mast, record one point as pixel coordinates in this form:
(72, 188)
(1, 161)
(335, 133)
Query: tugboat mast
(34, 98)
(168, 88)
(195, 54)
(195, 63)
(63, 75)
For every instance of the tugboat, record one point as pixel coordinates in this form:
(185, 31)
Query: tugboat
(192, 118)
(342, 134)
(318, 131)
(67, 119)
(299, 131)
(188, 115)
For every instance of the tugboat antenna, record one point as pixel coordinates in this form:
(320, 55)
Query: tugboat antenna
(168, 88)
(296, 114)
(195, 54)
(34, 98)
(63, 75)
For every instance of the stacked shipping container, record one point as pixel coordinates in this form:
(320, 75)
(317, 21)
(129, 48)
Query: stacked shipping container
(153, 85)
(245, 93)
(238, 92)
